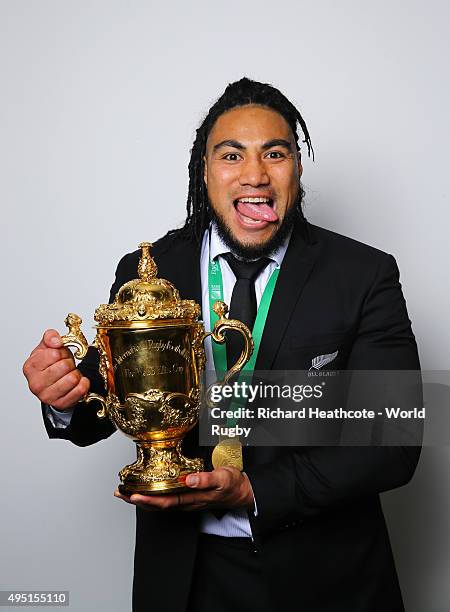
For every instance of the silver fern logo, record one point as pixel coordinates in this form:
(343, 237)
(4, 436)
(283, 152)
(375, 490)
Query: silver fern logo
(321, 360)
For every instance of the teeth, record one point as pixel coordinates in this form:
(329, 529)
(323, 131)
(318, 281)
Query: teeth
(249, 220)
(254, 200)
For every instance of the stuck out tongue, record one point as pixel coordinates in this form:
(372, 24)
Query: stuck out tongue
(258, 212)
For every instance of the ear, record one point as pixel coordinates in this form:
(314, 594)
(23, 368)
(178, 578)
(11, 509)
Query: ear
(205, 170)
(300, 167)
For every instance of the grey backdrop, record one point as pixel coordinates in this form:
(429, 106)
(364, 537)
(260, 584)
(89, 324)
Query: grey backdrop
(98, 108)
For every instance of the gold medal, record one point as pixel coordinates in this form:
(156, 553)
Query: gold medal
(228, 453)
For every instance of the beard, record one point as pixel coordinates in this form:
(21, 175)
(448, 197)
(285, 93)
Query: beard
(252, 251)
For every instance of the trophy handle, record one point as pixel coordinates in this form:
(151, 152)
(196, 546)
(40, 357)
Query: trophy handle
(95, 396)
(221, 325)
(77, 339)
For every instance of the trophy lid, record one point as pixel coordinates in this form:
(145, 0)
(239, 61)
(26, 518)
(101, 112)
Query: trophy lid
(146, 298)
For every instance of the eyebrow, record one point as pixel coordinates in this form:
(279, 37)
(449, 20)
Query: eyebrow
(229, 143)
(275, 142)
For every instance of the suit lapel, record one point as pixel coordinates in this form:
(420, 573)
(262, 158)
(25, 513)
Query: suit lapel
(297, 265)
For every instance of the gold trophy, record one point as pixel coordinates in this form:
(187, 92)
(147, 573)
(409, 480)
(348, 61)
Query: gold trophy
(152, 357)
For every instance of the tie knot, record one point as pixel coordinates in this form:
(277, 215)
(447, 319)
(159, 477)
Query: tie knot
(247, 270)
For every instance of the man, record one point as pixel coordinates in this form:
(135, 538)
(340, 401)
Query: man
(316, 540)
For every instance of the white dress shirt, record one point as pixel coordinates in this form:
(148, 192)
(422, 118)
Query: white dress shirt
(234, 523)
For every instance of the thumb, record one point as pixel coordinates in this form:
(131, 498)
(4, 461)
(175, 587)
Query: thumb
(51, 339)
(201, 480)
(217, 479)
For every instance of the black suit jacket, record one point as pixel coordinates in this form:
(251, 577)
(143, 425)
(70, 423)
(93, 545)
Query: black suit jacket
(320, 528)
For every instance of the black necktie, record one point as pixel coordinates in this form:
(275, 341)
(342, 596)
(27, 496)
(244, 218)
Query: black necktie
(243, 300)
(243, 308)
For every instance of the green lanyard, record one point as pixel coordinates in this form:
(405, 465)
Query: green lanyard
(215, 285)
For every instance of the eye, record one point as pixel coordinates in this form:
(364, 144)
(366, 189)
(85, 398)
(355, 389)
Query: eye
(231, 156)
(274, 155)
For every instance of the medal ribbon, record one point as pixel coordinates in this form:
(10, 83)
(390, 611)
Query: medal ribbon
(215, 285)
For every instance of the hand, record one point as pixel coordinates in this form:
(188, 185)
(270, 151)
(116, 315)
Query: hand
(51, 373)
(225, 487)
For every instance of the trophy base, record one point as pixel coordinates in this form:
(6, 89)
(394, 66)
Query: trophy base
(160, 469)
(166, 488)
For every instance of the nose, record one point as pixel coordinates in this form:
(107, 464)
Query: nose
(254, 173)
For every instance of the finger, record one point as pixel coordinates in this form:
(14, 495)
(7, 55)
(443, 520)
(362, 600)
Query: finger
(51, 339)
(161, 502)
(42, 358)
(39, 380)
(125, 498)
(196, 498)
(188, 501)
(181, 507)
(74, 396)
(60, 388)
(58, 370)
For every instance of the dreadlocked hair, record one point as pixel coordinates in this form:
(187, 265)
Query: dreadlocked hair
(240, 93)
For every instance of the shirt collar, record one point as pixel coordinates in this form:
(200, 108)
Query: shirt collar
(218, 247)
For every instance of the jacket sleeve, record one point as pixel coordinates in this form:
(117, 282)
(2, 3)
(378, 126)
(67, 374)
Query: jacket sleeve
(85, 427)
(312, 480)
